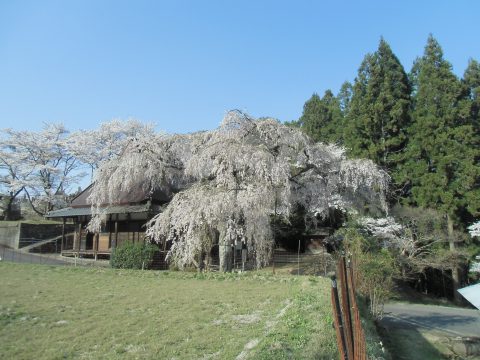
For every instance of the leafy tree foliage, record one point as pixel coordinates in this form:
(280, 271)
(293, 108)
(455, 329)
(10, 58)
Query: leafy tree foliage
(344, 99)
(416, 241)
(471, 80)
(425, 130)
(375, 267)
(379, 109)
(443, 151)
(321, 118)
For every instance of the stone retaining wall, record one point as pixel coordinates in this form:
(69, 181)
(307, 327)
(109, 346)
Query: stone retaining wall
(22, 234)
(10, 235)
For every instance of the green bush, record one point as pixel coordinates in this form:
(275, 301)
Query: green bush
(133, 256)
(375, 267)
(375, 274)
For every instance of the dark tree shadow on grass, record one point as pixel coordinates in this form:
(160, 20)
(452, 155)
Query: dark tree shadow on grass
(408, 343)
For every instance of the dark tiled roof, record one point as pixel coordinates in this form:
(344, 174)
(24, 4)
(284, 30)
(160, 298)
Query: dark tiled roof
(115, 209)
(136, 194)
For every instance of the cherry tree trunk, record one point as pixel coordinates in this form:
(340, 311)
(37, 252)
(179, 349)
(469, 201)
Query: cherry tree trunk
(8, 211)
(225, 254)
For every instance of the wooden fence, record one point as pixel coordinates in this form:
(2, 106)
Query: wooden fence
(350, 334)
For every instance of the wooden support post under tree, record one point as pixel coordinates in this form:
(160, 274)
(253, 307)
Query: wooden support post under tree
(63, 236)
(110, 231)
(95, 245)
(79, 239)
(116, 232)
(127, 224)
(75, 237)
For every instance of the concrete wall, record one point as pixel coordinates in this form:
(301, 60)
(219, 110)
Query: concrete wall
(23, 234)
(10, 235)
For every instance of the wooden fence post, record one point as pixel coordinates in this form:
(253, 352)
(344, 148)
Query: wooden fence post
(337, 319)
(346, 308)
(350, 334)
(360, 349)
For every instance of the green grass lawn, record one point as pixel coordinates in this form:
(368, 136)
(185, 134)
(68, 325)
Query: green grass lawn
(66, 312)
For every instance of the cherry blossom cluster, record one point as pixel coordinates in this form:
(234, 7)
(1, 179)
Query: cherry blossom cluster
(226, 184)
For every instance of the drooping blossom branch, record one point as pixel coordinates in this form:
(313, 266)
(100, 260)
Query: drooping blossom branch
(233, 179)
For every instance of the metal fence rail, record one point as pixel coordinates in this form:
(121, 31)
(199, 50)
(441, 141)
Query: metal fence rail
(39, 256)
(50, 252)
(320, 263)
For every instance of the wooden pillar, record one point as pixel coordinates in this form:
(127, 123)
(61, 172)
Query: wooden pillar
(63, 236)
(127, 224)
(76, 236)
(79, 239)
(95, 244)
(109, 231)
(116, 232)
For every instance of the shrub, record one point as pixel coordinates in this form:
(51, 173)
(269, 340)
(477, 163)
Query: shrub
(133, 256)
(374, 266)
(376, 272)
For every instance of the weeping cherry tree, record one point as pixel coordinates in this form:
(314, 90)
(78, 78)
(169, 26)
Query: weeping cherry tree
(226, 185)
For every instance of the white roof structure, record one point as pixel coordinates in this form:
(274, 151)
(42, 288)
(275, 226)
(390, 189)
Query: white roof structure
(472, 294)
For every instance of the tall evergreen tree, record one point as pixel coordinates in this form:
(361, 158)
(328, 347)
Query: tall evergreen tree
(378, 113)
(443, 149)
(309, 121)
(345, 97)
(471, 79)
(332, 118)
(321, 118)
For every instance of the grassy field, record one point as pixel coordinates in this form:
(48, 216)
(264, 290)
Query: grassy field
(67, 312)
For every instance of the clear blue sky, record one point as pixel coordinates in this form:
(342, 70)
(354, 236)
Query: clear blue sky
(182, 64)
